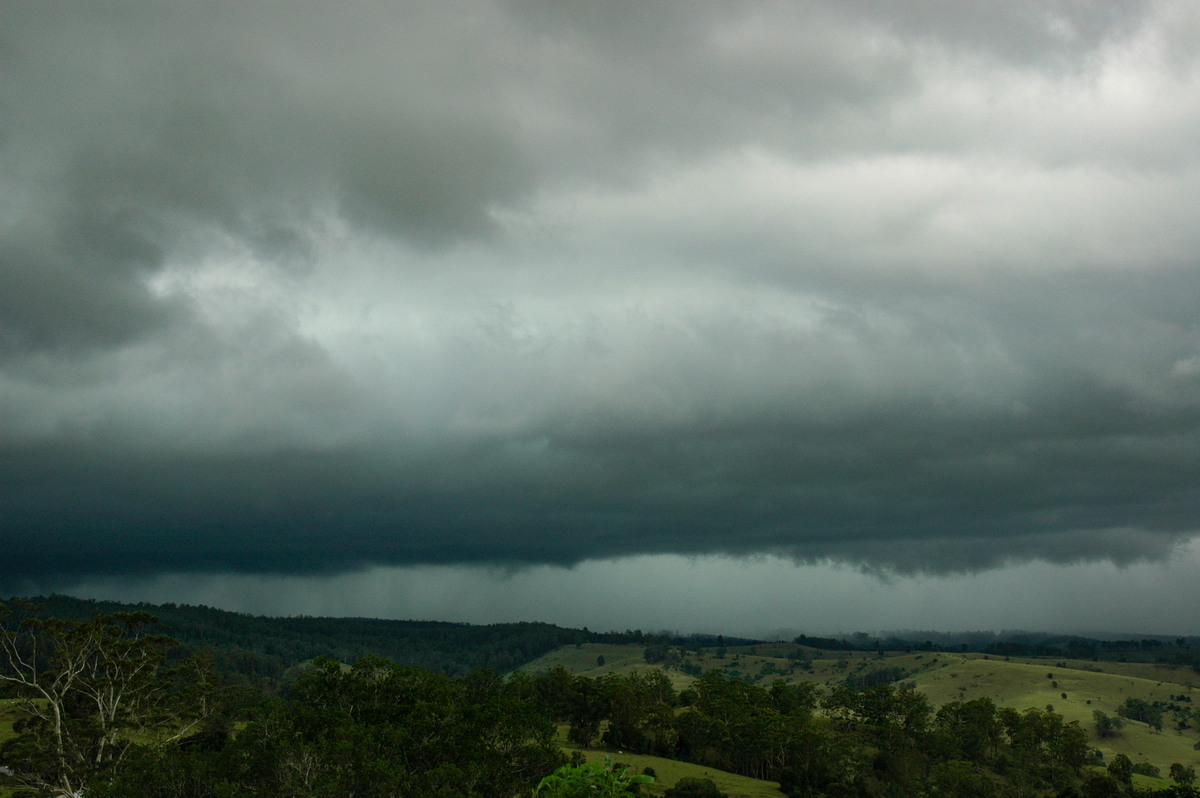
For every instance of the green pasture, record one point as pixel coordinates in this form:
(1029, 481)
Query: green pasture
(1088, 687)
(668, 771)
(1018, 682)
(8, 715)
(583, 659)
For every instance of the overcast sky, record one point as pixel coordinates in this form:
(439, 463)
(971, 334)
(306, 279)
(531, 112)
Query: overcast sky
(762, 315)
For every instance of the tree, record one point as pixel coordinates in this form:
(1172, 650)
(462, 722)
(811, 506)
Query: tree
(969, 730)
(1121, 769)
(1100, 785)
(1147, 769)
(656, 653)
(883, 705)
(1107, 726)
(588, 706)
(957, 777)
(91, 690)
(1070, 746)
(1182, 775)
(1149, 713)
(555, 693)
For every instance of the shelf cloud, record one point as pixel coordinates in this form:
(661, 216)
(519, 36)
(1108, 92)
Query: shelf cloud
(312, 289)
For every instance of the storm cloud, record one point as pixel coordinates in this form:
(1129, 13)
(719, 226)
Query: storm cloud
(306, 289)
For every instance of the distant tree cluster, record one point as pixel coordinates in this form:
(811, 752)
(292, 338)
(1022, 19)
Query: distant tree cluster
(257, 652)
(1107, 726)
(1148, 712)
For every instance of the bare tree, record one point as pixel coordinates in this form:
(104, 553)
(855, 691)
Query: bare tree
(89, 691)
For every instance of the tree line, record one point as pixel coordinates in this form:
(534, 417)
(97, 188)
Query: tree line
(261, 649)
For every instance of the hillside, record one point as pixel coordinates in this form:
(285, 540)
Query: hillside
(636, 698)
(1087, 687)
(259, 647)
(667, 772)
(1018, 682)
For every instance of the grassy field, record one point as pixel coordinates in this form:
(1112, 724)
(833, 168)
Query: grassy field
(582, 659)
(761, 663)
(7, 716)
(1018, 682)
(1088, 687)
(668, 771)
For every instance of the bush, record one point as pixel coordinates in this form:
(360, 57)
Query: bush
(591, 780)
(1146, 769)
(655, 653)
(691, 787)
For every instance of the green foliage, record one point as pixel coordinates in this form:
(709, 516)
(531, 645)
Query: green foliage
(881, 705)
(1182, 775)
(259, 648)
(373, 730)
(967, 731)
(957, 777)
(876, 677)
(91, 689)
(585, 705)
(639, 711)
(1107, 726)
(377, 729)
(1121, 769)
(693, 787)
(591, 780)
(656, 653)
(1100, 785)
(1148, 712)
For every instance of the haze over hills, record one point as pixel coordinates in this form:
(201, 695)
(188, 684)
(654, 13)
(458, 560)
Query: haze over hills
(457, 647)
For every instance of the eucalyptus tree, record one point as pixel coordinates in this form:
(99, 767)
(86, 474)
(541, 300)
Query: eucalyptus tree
(89, 691)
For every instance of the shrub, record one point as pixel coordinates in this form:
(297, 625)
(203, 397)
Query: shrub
(591, 780)
(691, 787)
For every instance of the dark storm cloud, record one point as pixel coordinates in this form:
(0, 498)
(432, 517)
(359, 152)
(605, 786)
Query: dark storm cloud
(132, 130)
(311, 289)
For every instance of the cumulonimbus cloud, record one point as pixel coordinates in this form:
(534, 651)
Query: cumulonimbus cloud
(519, 283)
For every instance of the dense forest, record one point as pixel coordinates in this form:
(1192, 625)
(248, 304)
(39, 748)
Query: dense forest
(266, 647)
(108, 704)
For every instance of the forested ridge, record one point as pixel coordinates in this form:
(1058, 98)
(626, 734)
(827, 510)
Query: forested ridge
(260, 643)
(264, 647)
